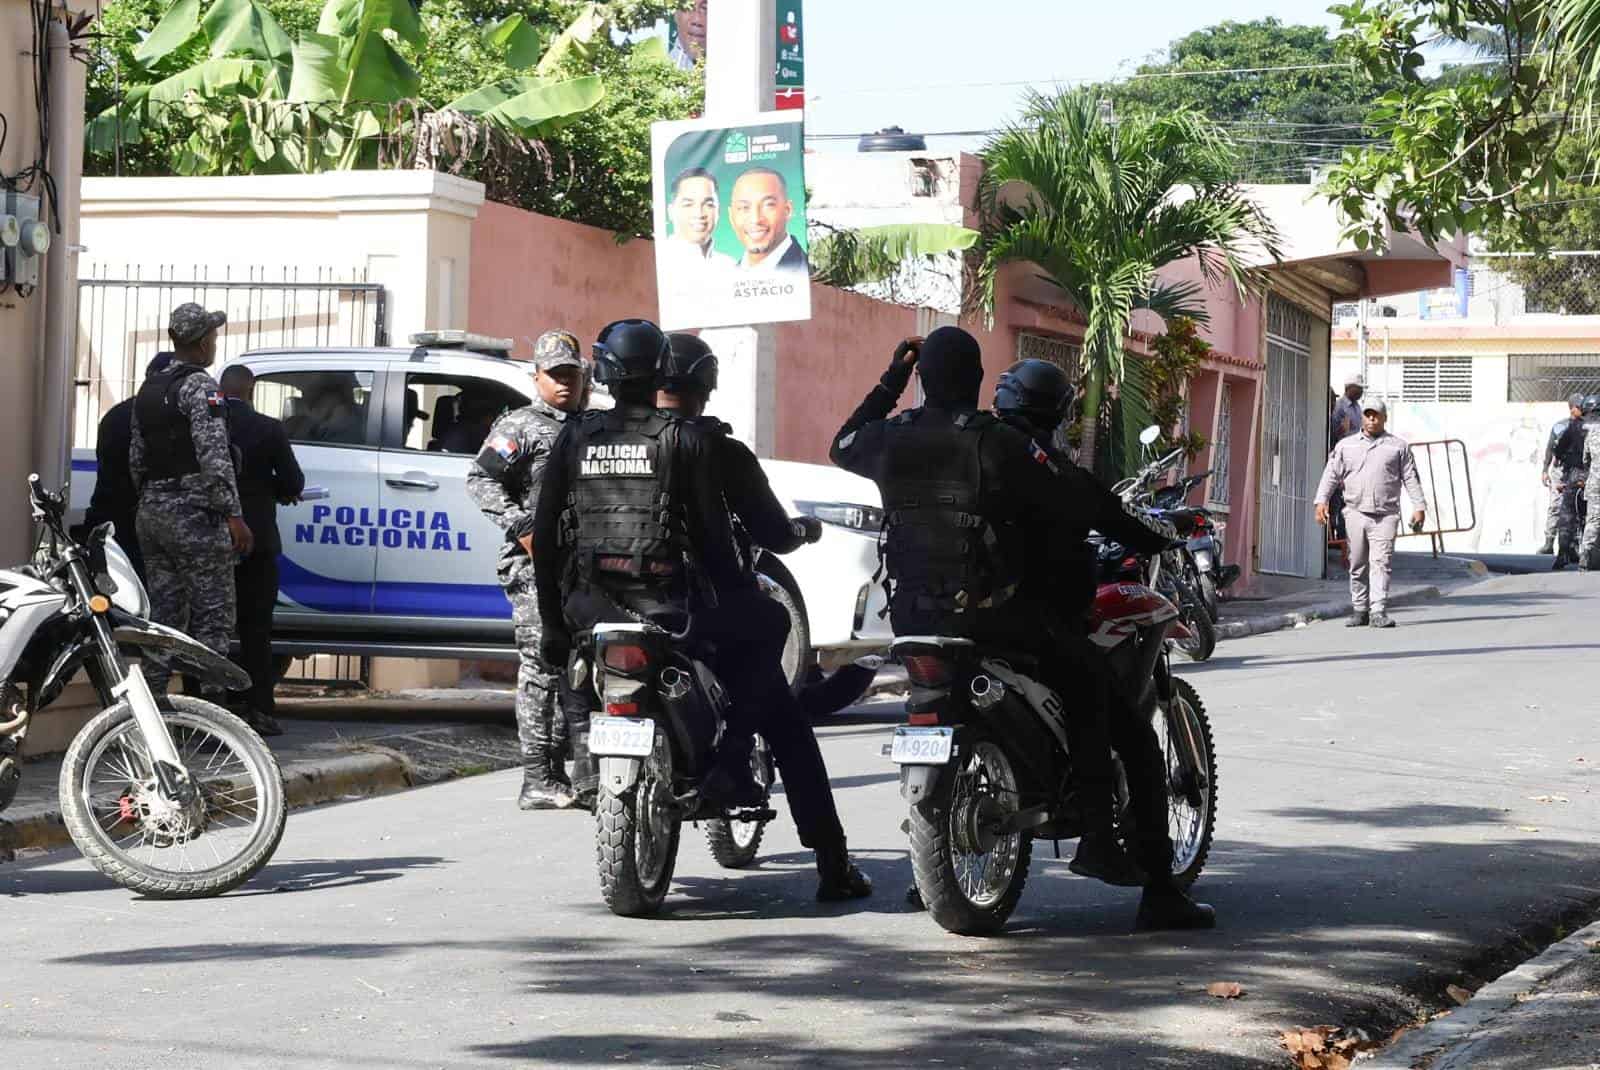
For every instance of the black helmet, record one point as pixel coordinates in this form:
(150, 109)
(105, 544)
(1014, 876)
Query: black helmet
(628, 351)
(1591, 405)
(1037, 391)
(689, 363)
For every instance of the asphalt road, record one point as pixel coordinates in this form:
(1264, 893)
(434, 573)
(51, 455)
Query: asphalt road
(1381, 833)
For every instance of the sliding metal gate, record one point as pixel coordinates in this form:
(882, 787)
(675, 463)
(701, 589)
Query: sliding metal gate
(1286, 478)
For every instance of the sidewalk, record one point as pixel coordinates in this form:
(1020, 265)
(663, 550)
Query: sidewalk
(323, 759)
(1542, 1015)
(1278, 602)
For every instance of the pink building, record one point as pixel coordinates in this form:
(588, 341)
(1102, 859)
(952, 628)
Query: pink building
(1261, 400)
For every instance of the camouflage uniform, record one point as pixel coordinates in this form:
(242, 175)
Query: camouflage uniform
(1591, 489)
(183, 521)
(504, 482)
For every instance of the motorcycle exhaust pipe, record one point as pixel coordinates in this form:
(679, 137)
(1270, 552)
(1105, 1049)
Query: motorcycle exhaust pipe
(986, 692)
(674, 683)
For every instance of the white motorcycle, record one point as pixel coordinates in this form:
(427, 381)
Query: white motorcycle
(175, 798)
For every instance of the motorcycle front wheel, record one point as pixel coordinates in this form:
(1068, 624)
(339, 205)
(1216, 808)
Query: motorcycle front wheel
(734, 844)
(636, 845)
(970, 874)
(130, 831)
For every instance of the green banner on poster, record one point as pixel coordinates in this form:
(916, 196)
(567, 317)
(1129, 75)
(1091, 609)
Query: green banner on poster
(686, 44)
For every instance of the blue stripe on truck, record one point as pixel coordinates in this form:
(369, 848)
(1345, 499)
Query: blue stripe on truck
(329, 595)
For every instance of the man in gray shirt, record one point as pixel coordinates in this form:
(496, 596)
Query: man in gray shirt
(1370, 468)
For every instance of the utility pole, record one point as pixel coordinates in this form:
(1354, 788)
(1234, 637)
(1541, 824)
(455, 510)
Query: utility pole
(741, 75)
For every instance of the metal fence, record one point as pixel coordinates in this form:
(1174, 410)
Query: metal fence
(330, 670)
(122, 320)
(1446, 477)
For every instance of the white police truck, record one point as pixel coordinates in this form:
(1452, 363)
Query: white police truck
(396, 561)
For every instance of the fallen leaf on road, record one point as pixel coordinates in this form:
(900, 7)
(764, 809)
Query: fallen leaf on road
(1527, 828)
(1459, 994)
(1548, 798)
(1325, 1047)
(1225, 989)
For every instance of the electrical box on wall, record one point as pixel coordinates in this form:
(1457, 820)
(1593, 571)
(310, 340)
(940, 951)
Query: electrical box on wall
(32, 240)
(10, 235)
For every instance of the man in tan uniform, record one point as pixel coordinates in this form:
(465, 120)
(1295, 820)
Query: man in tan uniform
(1370, 468)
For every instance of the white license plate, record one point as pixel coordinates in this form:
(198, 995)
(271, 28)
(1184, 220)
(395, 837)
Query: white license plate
(629, 737)
(921, 746)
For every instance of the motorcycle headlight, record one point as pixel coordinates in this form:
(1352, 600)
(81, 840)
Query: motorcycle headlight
(862, 518)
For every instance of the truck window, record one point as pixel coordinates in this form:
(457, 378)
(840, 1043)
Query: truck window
(321, 407)
(453, 413)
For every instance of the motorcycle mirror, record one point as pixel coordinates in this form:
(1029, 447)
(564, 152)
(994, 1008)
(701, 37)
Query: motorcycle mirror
(1149, 435)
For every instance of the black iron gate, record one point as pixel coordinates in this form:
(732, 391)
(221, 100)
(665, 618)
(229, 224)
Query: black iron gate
(122, 321)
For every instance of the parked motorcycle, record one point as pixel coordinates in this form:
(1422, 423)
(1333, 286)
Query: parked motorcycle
(1180, 579)
(985, 764)
(1204, 533)
(665, 712)
(172, 797)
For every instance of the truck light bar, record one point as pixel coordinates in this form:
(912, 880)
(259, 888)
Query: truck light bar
(455, 339)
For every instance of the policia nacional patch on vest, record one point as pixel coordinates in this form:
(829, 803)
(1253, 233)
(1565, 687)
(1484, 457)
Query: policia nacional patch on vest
(617, 459)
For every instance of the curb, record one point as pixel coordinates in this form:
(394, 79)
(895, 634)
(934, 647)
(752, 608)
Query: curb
(1448, 1042)
(1318, 611)
(305, 783)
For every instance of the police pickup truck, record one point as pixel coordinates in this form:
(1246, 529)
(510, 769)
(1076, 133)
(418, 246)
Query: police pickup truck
(396, 561)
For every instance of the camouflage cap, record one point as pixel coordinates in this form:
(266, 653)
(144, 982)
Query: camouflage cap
(555, 349)
(189, 323)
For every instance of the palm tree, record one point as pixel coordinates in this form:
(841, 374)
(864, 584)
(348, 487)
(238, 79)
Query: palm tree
(1097, 207)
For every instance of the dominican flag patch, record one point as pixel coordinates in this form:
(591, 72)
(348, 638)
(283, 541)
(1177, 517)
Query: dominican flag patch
(506, 446)
(1038, 452)
(216, 400)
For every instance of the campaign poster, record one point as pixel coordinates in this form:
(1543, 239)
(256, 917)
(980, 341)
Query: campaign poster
(730, 221)
(686, 44)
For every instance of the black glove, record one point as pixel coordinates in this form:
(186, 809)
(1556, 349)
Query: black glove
(554, 649)
(806, 528)
(898, 376)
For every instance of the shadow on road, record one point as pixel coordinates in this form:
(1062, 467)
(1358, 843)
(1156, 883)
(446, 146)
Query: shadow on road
(1431, 815)
(297, 876)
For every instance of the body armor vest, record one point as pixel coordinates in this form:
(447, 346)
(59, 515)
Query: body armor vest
(626, 522)
(943, 555)
(1568, 449)
(168, 443)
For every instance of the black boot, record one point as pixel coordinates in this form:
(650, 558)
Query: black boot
(1549, 547)
(1165, 906)
(837, 878)
(264, 723)
(1357, 619)
(544, 786)
(1100, 856)
(914, 898)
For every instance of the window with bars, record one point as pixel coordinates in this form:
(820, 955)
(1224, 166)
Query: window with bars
(1436, 379)
(1061, 352)
(1552, 376)
(1222, 450)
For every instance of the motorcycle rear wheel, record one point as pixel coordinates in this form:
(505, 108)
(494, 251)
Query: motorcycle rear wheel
(239, 781)
(1184, 732)
(636, 846)
(968, 891)
(1208, 596)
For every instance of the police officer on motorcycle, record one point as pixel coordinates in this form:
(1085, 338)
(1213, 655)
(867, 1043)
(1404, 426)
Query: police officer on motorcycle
(639, 502)
(970, 501)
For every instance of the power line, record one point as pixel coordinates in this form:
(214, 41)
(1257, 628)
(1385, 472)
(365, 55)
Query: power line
(1111, 80)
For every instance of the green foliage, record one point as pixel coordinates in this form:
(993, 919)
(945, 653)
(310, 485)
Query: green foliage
(1175, 358)
(366, 83)
(1468, 152)
(1284, 121)
(851, 257)
(1569, 220)
(1096, 209)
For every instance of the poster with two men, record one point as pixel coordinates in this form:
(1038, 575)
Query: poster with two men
(730, 221)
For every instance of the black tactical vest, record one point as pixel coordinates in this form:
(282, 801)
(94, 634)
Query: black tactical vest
(944, 557)
(627, 525)
(1568, 448)
(168, 444)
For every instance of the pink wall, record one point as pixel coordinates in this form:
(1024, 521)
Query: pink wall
(531, 273)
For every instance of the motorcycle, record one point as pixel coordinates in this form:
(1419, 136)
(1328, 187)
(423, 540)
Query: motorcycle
(986, 768)
(1180, 579)
(171, 797)
(1204, 534)
(665, 713)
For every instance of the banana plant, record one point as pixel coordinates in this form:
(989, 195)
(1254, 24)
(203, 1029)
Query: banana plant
(259, 102)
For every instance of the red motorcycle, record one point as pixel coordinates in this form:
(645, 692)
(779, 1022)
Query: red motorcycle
(984, 760)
